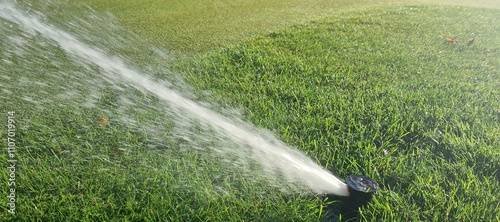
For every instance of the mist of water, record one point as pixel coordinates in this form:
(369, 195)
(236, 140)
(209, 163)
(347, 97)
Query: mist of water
(267, 150)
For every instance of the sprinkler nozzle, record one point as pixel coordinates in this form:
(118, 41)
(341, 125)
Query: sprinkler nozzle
(361, 189)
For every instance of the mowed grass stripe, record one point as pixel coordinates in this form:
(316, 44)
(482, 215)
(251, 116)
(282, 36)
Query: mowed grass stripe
(191, 27)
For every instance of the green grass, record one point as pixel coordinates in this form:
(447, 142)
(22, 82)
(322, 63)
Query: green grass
(343, 88)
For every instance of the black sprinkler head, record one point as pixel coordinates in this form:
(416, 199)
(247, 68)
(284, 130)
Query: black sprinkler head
(361, 190)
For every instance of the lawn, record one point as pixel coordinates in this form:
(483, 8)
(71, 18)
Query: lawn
(388, 90)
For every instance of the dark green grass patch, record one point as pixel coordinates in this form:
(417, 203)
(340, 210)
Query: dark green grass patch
(381, 93)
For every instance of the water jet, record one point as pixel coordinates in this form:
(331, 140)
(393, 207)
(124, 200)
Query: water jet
(273, 154)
